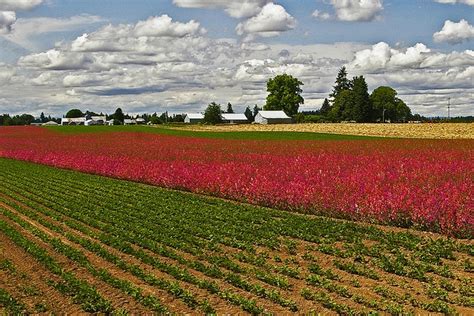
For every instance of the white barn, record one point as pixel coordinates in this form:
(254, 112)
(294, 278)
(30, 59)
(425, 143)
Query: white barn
(129, 122)
(232, 118)
(50, 123)
(193, 118)
(95, 120)
(73, 121)
(272, 117)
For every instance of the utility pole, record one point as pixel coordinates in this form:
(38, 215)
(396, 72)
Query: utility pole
(449, 109)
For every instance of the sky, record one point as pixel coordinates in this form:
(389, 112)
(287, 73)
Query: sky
(150, 56)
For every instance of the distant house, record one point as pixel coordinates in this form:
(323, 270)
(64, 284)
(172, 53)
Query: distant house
(50, 123)
(232, 118)
(140, 120)
(129, 122)
(272, 117)
(193, 118)
(95, 120)
(73, 121)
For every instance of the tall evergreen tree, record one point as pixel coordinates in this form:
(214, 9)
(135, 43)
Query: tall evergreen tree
(325, 108)
(248, 113)
(229, 108)
(342, 83)
(361, 104)
(42, 118)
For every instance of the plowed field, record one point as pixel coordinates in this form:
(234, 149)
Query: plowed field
(94, 244)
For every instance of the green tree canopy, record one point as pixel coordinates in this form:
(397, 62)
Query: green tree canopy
(385, 99)
(118, 116)
(74, 113)
(325, 108)
(342, 106)
(284, 94)
(212, 115)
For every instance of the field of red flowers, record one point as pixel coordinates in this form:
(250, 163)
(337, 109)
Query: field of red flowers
(423, 183)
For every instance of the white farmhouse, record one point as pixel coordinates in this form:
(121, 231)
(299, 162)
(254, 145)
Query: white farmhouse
(140, 120)
(272, 117)
(95, 120)
(50, 123)
(193, 118)
(232, 118)
(129, 122)
(73, 121)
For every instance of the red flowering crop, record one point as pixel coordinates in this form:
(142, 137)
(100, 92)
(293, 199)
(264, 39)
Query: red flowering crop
(427, 183)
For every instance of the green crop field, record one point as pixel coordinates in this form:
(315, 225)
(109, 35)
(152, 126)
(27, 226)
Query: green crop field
(84, 243)
(183, 130)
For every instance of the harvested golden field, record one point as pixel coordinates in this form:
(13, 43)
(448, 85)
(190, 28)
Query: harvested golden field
(428, 130)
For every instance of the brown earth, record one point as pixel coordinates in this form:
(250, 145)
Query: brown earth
(357, 285)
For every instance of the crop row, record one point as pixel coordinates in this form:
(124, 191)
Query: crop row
(180, 274)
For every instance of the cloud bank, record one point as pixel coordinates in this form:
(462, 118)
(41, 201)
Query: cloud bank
(160, 64)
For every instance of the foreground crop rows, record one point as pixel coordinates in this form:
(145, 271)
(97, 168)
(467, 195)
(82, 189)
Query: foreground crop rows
(423, 183)
(113, 246)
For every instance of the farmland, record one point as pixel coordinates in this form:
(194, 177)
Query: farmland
(96, 244)
(425, 130)
(429, 186)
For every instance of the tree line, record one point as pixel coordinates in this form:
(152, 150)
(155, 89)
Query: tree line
(349, 101)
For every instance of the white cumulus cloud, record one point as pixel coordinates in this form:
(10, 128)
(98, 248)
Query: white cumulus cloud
(271, 21)
(323, 16)
(357, 10)
(7, 18)
(8, 14)
(236, 9)
(16, 5)
(381, 57)
(164, 26)
(468, 2)
(455, 33)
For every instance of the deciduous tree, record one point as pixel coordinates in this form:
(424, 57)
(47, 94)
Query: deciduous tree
(284, 94)
(212, 115)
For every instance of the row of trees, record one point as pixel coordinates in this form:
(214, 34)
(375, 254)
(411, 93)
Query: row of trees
(351, 101)
(23, 119)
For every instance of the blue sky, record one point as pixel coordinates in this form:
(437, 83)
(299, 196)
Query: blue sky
(404, 21)
(423, 48)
